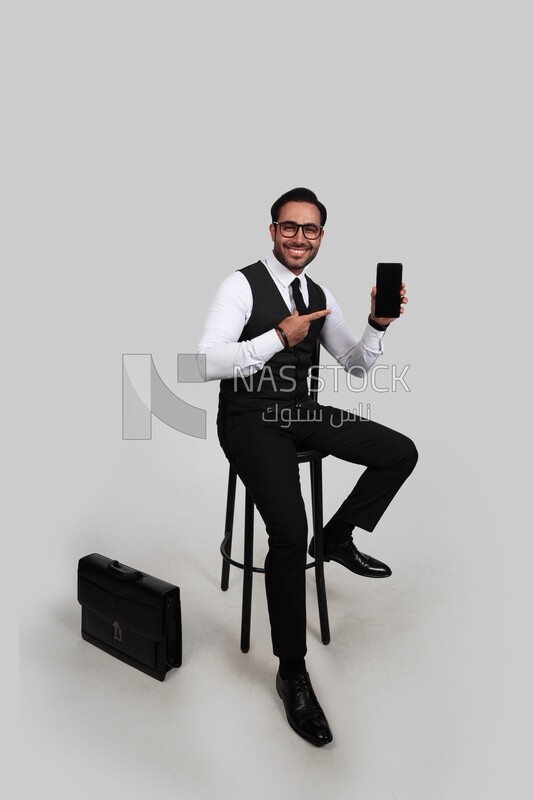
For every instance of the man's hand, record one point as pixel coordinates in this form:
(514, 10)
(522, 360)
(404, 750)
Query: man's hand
(296, 327)
(386, 320)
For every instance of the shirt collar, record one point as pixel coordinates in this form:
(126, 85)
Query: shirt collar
(281, 273)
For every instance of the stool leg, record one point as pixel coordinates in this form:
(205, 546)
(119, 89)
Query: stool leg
(228, 527)
(316, 500)
(247, 573)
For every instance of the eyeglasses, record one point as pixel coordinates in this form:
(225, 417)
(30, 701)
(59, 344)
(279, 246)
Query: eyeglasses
(289, 229)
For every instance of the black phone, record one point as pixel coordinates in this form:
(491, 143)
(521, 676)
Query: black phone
(388, 286)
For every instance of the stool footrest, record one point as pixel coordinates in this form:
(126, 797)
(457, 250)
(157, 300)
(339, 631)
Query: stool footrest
(238, 564)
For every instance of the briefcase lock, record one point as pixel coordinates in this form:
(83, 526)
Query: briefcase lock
(117, 633)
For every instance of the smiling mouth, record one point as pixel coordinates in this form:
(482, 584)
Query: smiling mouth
(297, 250)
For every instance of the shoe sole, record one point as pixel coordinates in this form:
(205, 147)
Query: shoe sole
(295, 729)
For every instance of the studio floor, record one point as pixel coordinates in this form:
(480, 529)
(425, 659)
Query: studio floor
(407, 684)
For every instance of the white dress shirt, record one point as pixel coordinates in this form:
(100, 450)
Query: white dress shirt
(232, 307)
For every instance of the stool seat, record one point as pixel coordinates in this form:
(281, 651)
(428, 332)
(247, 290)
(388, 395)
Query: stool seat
(309, 455)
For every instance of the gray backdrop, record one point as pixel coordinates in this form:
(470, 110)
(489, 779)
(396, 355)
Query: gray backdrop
(146, 143)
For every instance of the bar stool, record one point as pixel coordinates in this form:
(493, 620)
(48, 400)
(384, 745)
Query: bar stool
(314, 458)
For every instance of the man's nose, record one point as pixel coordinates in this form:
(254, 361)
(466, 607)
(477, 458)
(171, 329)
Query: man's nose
(299, 237)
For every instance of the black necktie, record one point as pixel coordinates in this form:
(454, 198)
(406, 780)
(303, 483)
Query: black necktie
(301, 308)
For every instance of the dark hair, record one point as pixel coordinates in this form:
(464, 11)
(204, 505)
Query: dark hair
(299, 195)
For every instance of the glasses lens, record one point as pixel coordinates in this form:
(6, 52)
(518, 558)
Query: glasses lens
(288, 228)
(311, 231)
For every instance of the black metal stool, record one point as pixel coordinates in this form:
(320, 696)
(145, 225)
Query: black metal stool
(314, 458)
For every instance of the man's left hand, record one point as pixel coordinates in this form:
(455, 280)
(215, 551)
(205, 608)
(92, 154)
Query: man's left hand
(386, 320)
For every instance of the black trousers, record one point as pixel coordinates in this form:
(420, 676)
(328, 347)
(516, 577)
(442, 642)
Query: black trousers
(261, 444)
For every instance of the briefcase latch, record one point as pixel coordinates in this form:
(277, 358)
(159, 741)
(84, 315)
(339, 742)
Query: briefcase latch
(117, 633)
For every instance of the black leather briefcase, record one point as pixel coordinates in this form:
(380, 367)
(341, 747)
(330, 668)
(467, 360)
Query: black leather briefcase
(132, 616)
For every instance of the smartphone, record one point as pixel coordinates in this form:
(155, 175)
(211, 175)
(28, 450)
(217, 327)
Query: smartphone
(388, 285)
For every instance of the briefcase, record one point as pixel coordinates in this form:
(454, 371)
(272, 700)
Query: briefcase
(132, 616)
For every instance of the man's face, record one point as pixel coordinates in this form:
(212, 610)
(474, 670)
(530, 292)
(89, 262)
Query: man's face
(296, 252)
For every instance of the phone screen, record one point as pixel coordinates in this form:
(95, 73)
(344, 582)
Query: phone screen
(388, 286)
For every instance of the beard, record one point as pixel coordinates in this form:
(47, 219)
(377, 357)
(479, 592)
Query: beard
(284, 259)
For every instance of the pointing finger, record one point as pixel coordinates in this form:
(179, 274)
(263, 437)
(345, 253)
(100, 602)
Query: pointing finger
(318, 314)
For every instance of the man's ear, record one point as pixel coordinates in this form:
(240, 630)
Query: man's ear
(272, 229)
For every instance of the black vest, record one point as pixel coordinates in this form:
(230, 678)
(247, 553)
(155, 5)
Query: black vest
(284, 376)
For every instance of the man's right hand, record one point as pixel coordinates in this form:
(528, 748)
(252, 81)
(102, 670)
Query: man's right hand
(296, 327)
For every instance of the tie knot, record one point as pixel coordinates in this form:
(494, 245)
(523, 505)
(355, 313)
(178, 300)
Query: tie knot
(296, 283)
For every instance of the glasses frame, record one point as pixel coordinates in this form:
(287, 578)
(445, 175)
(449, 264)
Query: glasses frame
(298, 226)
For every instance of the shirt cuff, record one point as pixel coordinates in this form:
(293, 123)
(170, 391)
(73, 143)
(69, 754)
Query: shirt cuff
(267, 345)
(372, 339)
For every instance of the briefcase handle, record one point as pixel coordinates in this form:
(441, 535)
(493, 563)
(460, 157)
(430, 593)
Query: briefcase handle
(124, 573)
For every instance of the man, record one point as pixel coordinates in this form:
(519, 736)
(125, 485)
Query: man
(258, 340)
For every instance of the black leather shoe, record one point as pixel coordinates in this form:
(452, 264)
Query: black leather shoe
(349, 556)
(303, 709)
